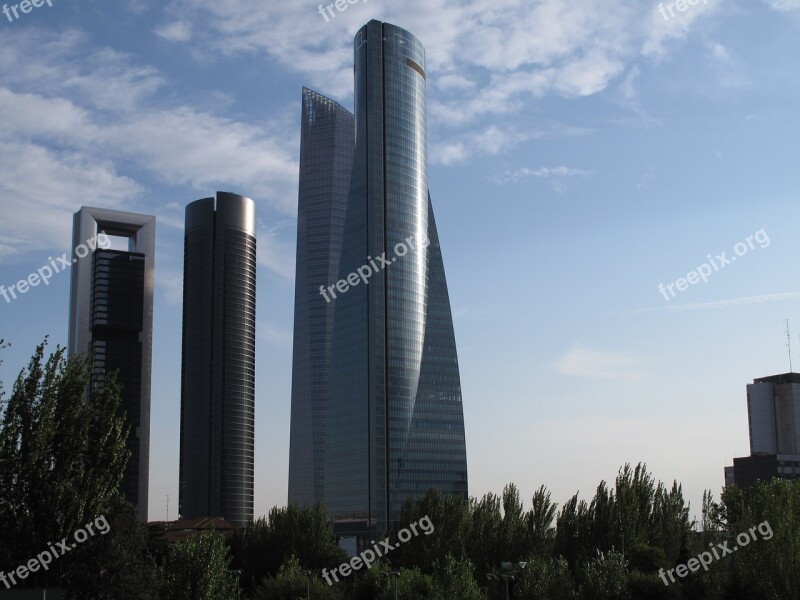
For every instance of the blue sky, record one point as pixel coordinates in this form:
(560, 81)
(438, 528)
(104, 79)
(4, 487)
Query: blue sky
(581, 154)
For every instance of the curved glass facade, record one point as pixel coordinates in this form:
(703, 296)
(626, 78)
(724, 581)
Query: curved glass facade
(395, 424)
(376, 395)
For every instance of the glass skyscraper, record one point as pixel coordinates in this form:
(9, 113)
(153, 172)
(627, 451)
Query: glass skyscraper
(326, 158)
(393, 425)
(218, 363)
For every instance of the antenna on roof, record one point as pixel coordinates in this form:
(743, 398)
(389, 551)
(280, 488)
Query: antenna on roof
(789, 345)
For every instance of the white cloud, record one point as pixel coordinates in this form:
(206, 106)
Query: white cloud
(599, 364)
(275, 254)
(783, 5)
(491, 141)
(543, 173)
(723, 303)
(41, 188)
(488, 57)
(84, 118)
(177, 31)
(661, 32)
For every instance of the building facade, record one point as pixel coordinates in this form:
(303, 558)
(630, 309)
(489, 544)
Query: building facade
(218, 362)
(326, 158)
(773, 414)
(394, 424)
(111, 321)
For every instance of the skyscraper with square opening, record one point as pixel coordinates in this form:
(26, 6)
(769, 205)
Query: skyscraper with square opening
(393, 423)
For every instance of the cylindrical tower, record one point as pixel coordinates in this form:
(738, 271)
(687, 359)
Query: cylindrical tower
(218, 367)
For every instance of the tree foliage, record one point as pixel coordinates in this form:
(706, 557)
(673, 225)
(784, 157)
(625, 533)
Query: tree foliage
(61, 457)
(198, 569)
(293, 582)
(263, 546)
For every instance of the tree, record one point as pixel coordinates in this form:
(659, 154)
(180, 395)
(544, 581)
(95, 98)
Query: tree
(198, 569)
(484, 531)
(450, 518)
(539, 522)
(292, 582)
(572, 531)
(260, 548)
(546, 578)
(767, 564)
(605, 577)
(116, 564)
(61, 457)
(412, 584)
(454, 579)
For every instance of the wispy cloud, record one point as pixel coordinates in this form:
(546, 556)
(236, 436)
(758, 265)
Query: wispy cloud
(176, 31)
(489, 142)
(274, 253)
(783, 5)
(599, 364)
(545, 172)
(558, 176)
(722, 303)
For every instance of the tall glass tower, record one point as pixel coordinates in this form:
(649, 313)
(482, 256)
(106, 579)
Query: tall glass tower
(394, 424)
(218, 364)
(326, 158)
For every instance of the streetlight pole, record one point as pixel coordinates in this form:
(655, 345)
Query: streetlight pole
(392, 575)
(507, 578)
(238, 573)
(507, 574)
(308, 584)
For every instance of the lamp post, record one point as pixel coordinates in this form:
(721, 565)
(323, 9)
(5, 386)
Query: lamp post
(308, 584)
(238, 573)
(392, 575)
(507, 574)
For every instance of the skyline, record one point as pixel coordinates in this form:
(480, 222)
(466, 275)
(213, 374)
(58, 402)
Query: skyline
(626, 148)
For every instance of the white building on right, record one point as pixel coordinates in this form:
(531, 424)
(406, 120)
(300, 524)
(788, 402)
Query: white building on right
(773, 413)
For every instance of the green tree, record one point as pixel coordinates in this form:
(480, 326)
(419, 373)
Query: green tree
(412, 584)
(546, 578)
(198, 569)
(768, 565)
(292, 582)
(539, 523)
(450, 518)
(605, 577)
(649, 586)
(260, 548)
(636, 512)
(61, 458)
(116, 564)
(454, 579)
(484, 531)
(572, 531)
